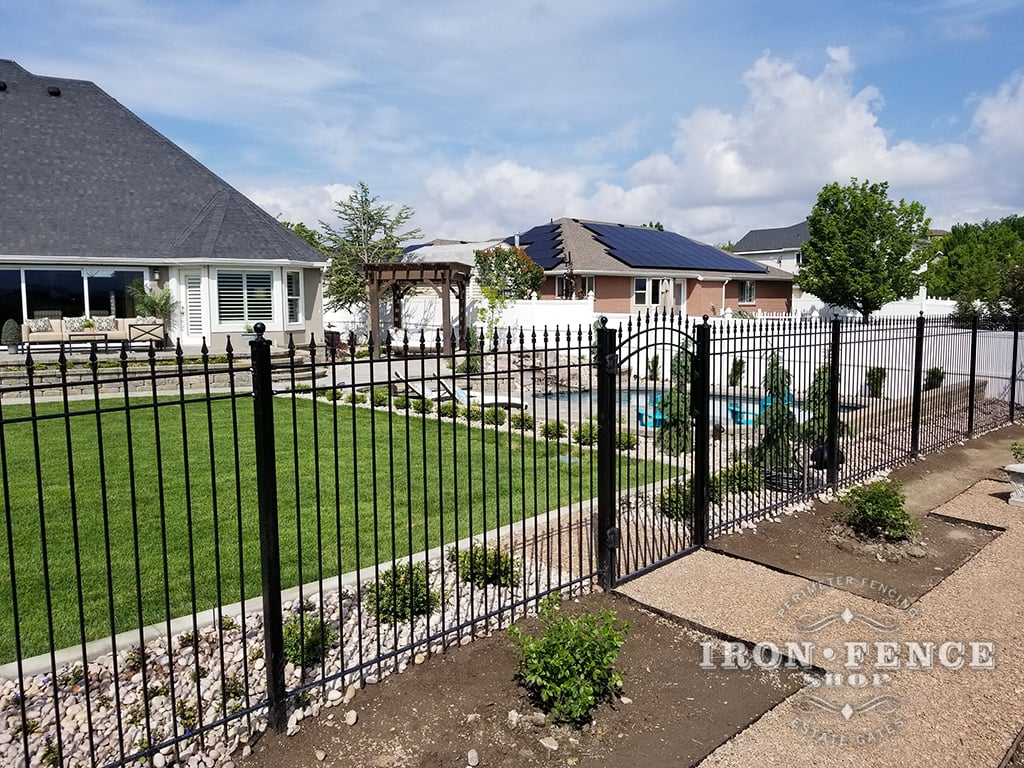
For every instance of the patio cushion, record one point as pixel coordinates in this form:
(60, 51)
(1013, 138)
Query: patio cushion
(105, 323)
(39, 325)
(74, 324)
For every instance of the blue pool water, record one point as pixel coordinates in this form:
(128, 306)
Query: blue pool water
(638, 398)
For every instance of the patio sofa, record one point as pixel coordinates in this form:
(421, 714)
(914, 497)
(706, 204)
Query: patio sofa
(73, 329)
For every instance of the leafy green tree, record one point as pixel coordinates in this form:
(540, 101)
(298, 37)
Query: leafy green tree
(312, 236)
(981, 263)
(860, 253)
(369, 233)
(777, 419)
(505, 273)
(654, 225)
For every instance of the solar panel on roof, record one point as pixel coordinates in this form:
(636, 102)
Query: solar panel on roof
(652, 248)
(543, 245)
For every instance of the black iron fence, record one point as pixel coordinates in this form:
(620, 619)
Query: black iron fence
(198, 547)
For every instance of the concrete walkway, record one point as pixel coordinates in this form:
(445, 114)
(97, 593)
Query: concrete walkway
(926, 716)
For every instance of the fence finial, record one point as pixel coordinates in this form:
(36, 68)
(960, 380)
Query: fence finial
(260, 329)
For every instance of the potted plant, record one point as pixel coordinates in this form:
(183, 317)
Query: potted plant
(157, 302)
(1016, 473)
(11, 336)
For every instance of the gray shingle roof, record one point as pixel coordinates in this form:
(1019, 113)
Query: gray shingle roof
(771, 240)
(83, 177)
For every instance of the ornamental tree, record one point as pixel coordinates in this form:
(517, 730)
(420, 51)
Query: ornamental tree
(369, 233)
(505, 273)
(860, 254)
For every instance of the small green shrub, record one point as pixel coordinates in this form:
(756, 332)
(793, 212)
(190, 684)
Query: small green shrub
(306, 639)
(676, 501)
(736, 371)
(1017, 449)
(361, 353)
(400, 403)
(495, 416)
(50, 754)
(933, 378)
(875, 380)
(877, 509)
(447, 410)
(187, 640)
(401, 593)
(11, 332)
(482, 565)
(420, 405)
(553, 430)
(134, 658)
(625, 441)
(188, 717)
(569, 669)
(473, 412)
(522, 421)
(585, 434)
(736, 478)
(356, 397)
(232, 687)
(380, 396)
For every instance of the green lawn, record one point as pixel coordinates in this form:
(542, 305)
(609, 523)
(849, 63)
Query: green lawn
(182, 494)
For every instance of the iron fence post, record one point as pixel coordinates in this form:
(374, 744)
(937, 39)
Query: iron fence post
(832, 436)
(607, 534)
(915, 410)
(1013, 369)
(701, 395)
(974, 373)
(270, 553)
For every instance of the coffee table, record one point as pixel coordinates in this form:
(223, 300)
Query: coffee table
(96, 336)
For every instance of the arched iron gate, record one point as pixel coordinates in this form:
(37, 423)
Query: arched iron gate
(653, 443)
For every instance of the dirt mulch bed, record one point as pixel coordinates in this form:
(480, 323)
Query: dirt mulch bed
(813, 544)
(433, 714)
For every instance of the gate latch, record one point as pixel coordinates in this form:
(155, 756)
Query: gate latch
(612, 537)
(611, 364)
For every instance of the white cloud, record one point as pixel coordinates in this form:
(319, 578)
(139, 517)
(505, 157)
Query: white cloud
(722, 172)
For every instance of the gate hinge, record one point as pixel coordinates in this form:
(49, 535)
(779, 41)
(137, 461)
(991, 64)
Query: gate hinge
(611, 363)
(612, 537)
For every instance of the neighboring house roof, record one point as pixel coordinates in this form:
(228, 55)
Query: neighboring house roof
(86, 179)
(601, 248)
(773, 240)
(460, 251)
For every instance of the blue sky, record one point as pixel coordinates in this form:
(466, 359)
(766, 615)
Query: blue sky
(713, 118)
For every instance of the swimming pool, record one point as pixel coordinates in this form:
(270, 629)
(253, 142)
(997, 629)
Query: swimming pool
(645, 399)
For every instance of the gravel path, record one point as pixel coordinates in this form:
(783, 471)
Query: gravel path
(927, 716)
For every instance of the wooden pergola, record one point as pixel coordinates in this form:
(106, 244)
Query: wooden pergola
(445, 277)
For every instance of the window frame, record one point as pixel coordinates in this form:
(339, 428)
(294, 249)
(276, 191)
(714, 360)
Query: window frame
(652, 291)
(248, 315)
(293, 299)
(743, 287)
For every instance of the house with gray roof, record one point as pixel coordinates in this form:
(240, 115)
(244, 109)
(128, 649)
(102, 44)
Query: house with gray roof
(632, 269)
(778, 247)
(94, 200)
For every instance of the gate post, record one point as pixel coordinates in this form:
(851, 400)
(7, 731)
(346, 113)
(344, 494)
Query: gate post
(270, 553)
(915, 409)
(832, 437)
(607, 533)
(700, 408)
(1013, 369)
(974, 375)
